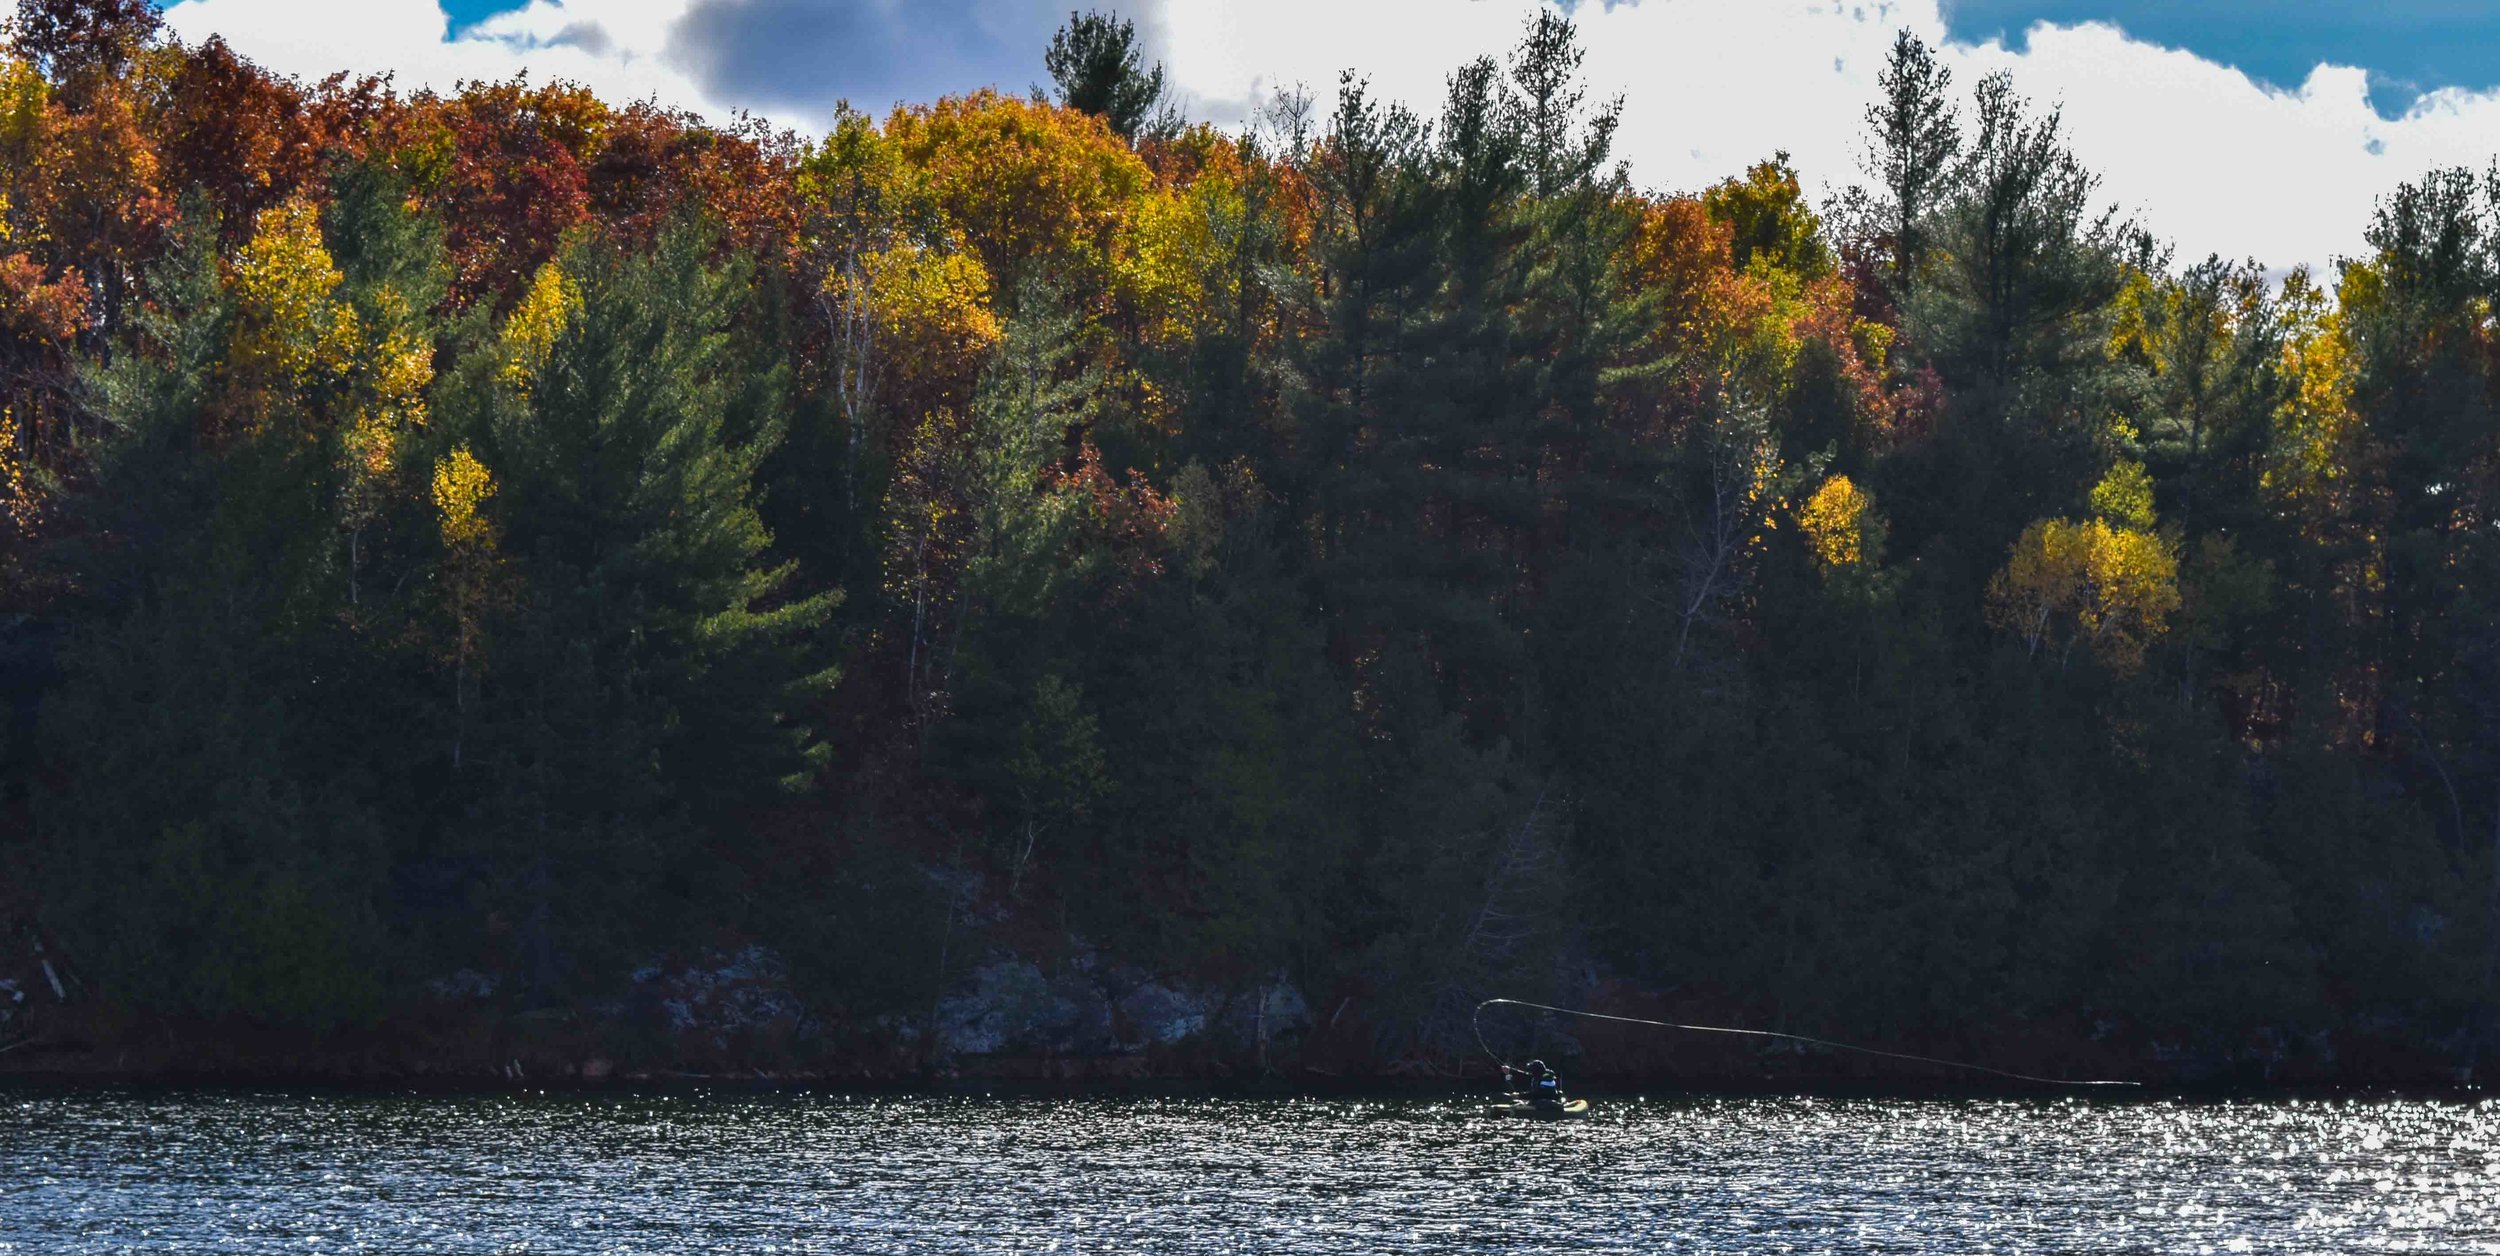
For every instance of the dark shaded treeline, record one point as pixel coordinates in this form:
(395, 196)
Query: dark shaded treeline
(470, 549)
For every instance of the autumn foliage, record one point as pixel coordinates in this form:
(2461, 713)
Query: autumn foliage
(503, 531)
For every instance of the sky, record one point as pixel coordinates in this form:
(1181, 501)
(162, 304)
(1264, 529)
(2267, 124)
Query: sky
(2251, 128)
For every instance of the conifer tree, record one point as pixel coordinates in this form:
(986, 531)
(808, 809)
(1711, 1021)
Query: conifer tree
(1096, 62)
(1913, 139)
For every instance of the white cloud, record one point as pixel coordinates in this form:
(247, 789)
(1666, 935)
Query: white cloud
(2206, 156)
(411, 40)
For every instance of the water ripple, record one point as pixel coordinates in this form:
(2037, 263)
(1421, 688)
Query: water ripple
(122, 1172)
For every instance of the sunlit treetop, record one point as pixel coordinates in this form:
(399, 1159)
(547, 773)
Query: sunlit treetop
(1023, 181)
(1768, 219)
(287, 327)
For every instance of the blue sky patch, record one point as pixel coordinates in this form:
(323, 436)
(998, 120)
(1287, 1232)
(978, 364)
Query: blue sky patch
(468, 13)
(2408, 46)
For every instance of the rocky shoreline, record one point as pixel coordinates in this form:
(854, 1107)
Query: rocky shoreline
(1010, 1023)
(1081, 1019)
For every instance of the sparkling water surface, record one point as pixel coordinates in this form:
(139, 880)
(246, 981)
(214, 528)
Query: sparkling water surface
(109, 1171)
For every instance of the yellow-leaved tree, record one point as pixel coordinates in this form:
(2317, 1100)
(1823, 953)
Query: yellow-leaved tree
(2319, 474)
(1841, 526)
(2125, 496)
(932, 308)
(462, 486)
(529, 335)
(2110, 582)
(390, 365)
(309, 357)
(1026, 183)
(18, 507)
(291, 332)
(1173, 268)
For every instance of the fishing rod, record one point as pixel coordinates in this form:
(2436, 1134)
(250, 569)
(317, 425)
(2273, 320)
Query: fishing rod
(1475, 1020)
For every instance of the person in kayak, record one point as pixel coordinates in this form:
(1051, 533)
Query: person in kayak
(1544, 1084)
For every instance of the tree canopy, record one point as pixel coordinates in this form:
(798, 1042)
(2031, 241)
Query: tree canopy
(510, 533)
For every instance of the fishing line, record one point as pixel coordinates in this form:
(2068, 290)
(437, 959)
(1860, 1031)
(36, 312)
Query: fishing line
(1476, 1020)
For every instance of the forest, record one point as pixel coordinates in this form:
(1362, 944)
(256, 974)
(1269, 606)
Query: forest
(475, 548)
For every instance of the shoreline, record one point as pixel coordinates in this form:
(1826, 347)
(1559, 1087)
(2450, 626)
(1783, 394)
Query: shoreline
(98, 1048)
(820, 1086)
(1026, 1079)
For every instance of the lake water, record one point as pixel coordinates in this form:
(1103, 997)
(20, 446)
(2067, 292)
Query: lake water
(228, 1172)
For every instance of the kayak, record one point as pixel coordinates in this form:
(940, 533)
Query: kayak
(1573, 1108)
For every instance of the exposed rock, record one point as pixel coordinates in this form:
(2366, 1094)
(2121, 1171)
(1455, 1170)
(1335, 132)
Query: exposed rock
(739, 993)
(1011, 1006)
(1005, 999)
(1093, 1007)
(1161, 1016)
(898, 1028)
(1089, 1029)
(1270, 1015)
